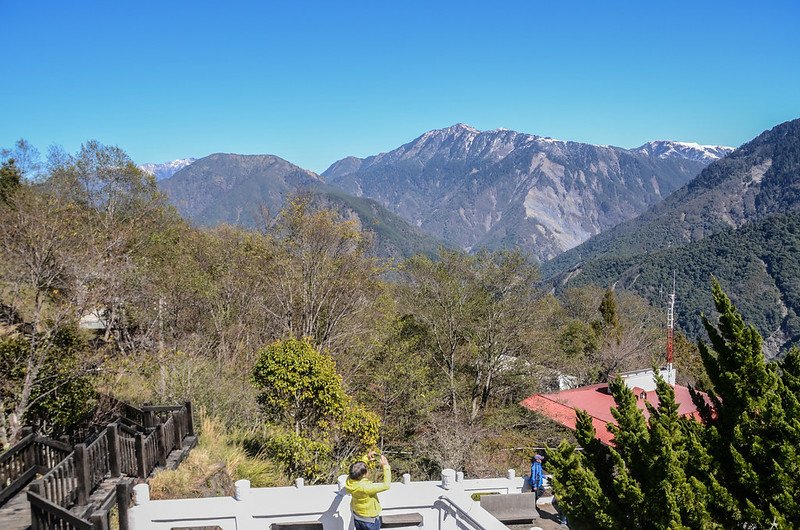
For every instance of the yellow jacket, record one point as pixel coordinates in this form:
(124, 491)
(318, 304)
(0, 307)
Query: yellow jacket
(365, 494)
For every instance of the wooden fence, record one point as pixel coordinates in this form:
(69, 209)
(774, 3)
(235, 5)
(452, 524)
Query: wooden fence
(71, 474)
(33, 455)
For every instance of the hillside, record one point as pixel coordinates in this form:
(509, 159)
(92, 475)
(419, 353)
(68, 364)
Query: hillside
(502, 188)
(241, 189)
(737, 220)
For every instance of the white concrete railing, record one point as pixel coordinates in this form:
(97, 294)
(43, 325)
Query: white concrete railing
(443, 505)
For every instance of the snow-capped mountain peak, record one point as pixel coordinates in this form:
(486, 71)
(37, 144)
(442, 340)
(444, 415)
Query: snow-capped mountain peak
(688, 150)
(167, 169)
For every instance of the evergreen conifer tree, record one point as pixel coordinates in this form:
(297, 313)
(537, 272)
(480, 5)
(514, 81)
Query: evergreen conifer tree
(10, 178)
(755, 431)
(738, 468)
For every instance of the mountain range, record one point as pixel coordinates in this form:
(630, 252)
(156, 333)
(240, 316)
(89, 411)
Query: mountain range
(458, 186)
(501, 188)
(738, 220)
(596, 214)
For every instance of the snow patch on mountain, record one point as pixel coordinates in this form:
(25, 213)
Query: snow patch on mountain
(167, 169)
(688, 150)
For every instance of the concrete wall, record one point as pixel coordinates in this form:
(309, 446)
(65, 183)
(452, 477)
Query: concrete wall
(444, 505)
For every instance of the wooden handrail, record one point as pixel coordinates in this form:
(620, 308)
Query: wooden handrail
(161, 408)
(45, 514)
(55, 444)
(17, 448)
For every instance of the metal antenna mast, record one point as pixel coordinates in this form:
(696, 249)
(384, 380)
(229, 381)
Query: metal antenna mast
(671, 323)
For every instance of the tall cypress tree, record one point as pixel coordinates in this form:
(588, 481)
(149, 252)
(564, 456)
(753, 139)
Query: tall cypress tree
(755, 431)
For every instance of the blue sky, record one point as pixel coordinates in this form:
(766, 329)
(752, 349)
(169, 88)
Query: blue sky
(316, 81)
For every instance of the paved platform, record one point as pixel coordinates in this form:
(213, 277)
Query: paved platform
(16, 513)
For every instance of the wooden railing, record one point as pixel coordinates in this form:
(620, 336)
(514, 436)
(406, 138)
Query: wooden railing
(127, 456)
(17, 467)
(70, 475)
(60, 484)
(49, 453)
(46, 515)
(96, 459)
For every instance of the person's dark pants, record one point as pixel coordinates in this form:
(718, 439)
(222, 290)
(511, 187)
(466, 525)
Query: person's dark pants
(362, 525)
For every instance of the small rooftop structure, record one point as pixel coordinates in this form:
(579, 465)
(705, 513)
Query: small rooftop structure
(598, 402)
(93, 320)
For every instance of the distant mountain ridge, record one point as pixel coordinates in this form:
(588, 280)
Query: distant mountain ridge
(242, 189)
(503, 188)
(231, 188)
(739, 220)
(166, 169)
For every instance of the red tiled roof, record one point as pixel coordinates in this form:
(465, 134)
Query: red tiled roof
(597, 401)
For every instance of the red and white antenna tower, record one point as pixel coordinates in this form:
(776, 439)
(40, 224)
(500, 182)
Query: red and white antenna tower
(670, 324)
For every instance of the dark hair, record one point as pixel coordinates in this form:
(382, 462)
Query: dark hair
(358, 470)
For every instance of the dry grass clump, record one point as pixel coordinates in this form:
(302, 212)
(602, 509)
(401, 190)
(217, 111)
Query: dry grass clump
(214, 465)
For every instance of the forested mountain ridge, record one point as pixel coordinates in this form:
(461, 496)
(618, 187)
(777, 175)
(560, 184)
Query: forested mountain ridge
(756, 180)
(502, 188)
(738, 220)
(242, 189)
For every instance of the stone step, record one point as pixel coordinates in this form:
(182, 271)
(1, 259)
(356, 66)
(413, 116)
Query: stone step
(401, 520)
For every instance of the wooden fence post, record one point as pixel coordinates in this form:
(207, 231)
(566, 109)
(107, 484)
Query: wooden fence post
(112, 435)
(99, 522)
(82, 472)
(141, 465)
(161, 443)
(123, 503)
(176, 423)
(148, 416)
(35, 487)
(189, 420)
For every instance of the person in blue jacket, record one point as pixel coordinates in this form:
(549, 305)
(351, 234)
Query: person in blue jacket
(537, 475)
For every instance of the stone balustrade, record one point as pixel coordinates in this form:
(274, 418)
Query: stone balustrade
(442, 505)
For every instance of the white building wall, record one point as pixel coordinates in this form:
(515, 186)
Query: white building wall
(645, 379)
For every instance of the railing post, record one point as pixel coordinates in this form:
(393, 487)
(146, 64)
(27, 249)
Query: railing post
(176, 424)
(35, 487)
(99, 522)
(123, 503)
(141, 465)
(189, 420)
(112, 436)
(161, 443)
(148, 416)
(82, 472)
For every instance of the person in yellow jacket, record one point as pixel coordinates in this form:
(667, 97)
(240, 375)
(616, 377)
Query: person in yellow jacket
(365, 505)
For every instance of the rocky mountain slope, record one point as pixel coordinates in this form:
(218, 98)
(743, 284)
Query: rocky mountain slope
(166, 169)
(739, 220)
(502, 188)
(241, 189)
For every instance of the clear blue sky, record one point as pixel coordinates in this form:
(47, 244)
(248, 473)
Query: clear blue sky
(316, 81)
